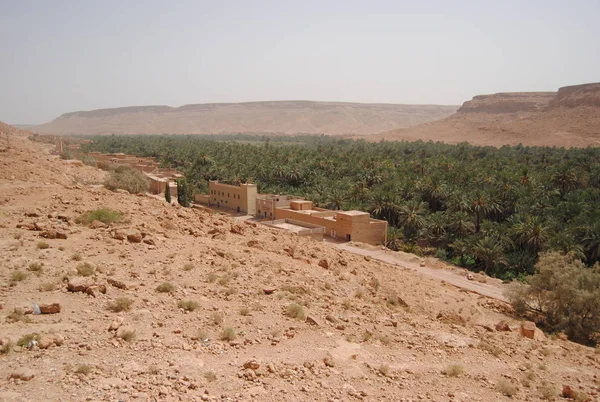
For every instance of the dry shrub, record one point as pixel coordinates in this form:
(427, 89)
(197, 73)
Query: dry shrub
(126, 178)
(296, 311)
(120, 304)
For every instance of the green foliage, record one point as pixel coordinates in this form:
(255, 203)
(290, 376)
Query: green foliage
(184, 193)
(564, 294)
(488, 208)
(104, 215)
(126, 178)
(168, 193)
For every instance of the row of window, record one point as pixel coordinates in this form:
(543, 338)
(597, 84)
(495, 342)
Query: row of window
(222, 194)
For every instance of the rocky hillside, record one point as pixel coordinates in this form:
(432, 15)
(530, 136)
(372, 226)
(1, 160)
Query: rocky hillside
(568, 118)
(285, 117)
(164, 303)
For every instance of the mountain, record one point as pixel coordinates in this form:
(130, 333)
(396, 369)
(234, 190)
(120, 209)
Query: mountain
(286, 117)
(569, 118)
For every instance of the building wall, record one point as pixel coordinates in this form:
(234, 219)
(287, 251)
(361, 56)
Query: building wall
(267, 204)
(240, 198)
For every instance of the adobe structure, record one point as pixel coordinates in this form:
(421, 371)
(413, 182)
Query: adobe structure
(158, 178)
(240, 198)
(296, 214)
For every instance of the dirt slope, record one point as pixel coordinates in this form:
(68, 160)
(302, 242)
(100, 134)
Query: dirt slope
(374, 332)
(569, 118)
(287, 117)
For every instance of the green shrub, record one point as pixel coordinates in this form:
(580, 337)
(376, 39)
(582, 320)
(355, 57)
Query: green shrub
(120, 304)
(228, 334)
(104, 215)
(18, 276)
(295, 310)
(126, 178)
(564, 294)
(165, 287)
(42, 245)
(36, 267)
(85, 269)
(25, 339)
(188, 305)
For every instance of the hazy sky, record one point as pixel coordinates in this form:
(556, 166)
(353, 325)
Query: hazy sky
(62, 56)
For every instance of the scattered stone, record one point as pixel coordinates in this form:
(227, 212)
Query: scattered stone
(252, 364)
(53, 308)
(134, 237)
(568, 392)
(98, 225)
(149, 241)
(328, 361)
(22, 374)
(48, 340)
(79, 284)
(312, 321)
(269, 290)
(470, 276)
(117, 322)
(95, 289)
(116, 283)
(324, 264)
(503, 326)
(528, 329)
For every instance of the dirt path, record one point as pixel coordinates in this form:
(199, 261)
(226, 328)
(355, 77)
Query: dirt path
(486, 289)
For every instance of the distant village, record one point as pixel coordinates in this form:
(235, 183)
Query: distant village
(286, 212)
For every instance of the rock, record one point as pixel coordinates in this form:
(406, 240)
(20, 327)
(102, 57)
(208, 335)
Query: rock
(134, 237)
(79, 284)
(470, 276)
(45, 341)
(23, 374)
(58, 339)
(32, 214)
(48, 234)
(116, 283)
(252, 364)
(324, 264)
(328, 361)
(503, 326)
(331, 318)
(119, 235)
(269, 290)
(528, 329)
(312, 321)
(39, 226)
(117, 322)
(149, 241)
(97, 225)
(53, 308)
(568, 392)
(95, 289)
(237, 229)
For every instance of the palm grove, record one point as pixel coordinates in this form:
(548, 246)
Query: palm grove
(480, 207)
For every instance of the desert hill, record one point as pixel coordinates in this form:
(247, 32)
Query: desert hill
(569, 118)
(285, 117)
(166, 303)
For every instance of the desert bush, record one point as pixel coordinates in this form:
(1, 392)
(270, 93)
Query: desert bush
(454, 370)
(6, 348)
(188, 305)
(228, 334)
(42, 245)
(210, 376)
(506, 388)
(127, 335)
(548, 391)
(165, 287)
(83, 369)
(188, 267)
(245, 311)
(18, 315)
(47, 287)
(18, 276)
(216, 318)
(120, 304)
(36, 267)
(25, 339)
(296, 311)
(563, 295)
(76, 257)
(104, 215)
(126, 178)
(85, 269)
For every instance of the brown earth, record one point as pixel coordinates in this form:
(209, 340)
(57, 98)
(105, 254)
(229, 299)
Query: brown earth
(373, 331)
(285, 117)
(568, 118)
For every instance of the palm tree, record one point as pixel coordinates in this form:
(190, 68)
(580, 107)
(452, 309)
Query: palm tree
(336, 199)
(461, 249)
(436, 228)
(531, 234)
(394, 238)
(435, 193)
(489, 251)
(410, 218)
(565, 179)
(461, 225)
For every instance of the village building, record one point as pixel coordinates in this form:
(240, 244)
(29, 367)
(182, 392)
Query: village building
(296, 214)
(240, 198)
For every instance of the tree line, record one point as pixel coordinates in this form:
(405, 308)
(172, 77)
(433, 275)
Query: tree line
(484, 208)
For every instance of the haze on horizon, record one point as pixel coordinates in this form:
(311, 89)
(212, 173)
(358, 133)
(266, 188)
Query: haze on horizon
(64, 56)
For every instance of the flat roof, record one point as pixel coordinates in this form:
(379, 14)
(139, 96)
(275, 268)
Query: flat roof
(353, 213)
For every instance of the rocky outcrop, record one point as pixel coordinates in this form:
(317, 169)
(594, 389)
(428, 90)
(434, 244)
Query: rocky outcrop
(577, 96)
(514, 102)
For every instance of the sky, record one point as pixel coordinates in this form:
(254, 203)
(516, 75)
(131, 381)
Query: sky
(61, 56)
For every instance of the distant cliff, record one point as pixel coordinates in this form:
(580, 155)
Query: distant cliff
(514, 102)
(285, 117)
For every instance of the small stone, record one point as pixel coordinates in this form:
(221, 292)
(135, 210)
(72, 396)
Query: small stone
(312, 321)
(269, 290)
(568, 392)
(53, 308)
(117, 322)
(528, 329)
(134, 238)
(117, 284)
(97, 225)
(324, 264)
(23, 374)
(252, 364)
(503, 326)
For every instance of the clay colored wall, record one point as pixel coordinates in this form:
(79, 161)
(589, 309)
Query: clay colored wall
(240, 198)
